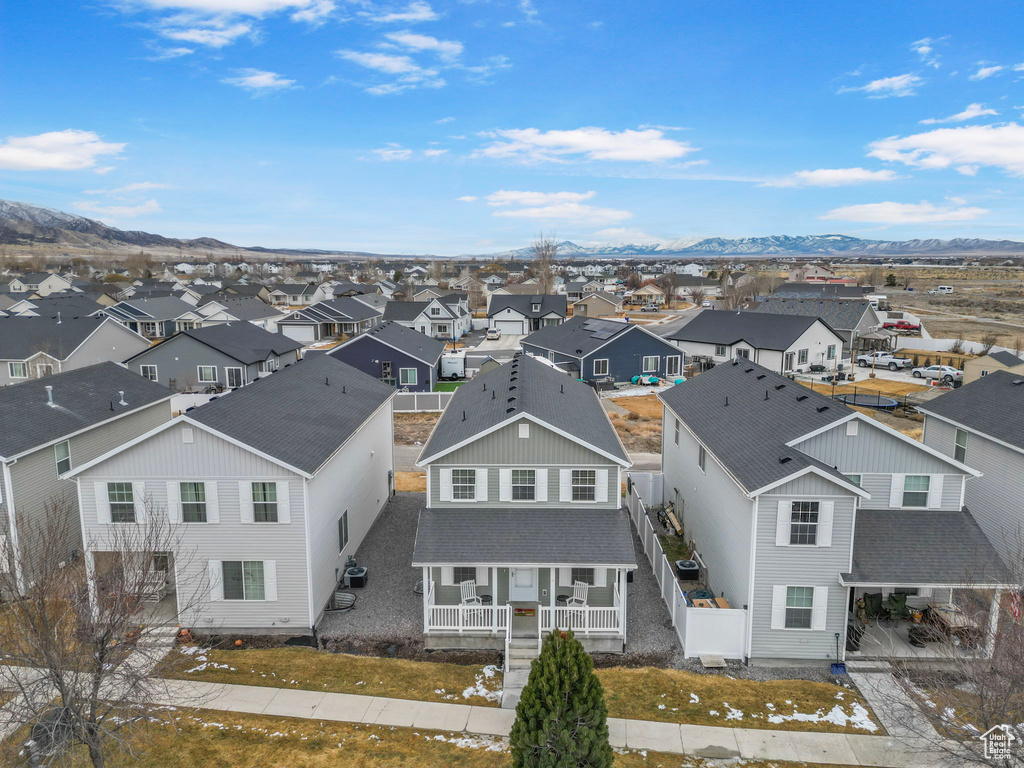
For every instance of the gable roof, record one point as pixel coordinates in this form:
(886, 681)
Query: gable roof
(992, 405)
(243, 307)
(580, 335)
(375, 300)
(406, 340)
(23, 337)
(726, 409)
(761, 330)
(83, 398)
(524, 304)
(825, 290)
(301, 415)
(1006, 358)
(340, 309)
(404, 310)
(152, 308)
(67, 304)
(611, 298)
(524, 387)
(242, 341)
(842, 315)
(295, 289)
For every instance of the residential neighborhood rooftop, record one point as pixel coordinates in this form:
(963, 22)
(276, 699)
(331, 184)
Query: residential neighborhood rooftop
(993, 405)
(22, 337)
(407, 340)
(529, 305)
(579, 335)
(837, 314)
(761, 330)
(241, 341)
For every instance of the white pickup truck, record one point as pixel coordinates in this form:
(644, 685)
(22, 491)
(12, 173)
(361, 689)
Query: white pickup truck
(883, 360)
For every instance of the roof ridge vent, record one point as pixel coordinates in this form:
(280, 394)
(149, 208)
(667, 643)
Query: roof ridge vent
(822, 408)
(510, 410)
(761, 376)
(785, 459)
(801, 398)
(779, 386)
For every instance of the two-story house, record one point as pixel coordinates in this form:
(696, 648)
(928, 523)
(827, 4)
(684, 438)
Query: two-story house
(523, 530)
(447, 317)
(225, 355)
(798, 506)
(267, 492)
(39, 283)
(517, 315)
(50, 426)
(982, 424)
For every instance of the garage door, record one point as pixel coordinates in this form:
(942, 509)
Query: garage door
(510, 327)
(303, 333)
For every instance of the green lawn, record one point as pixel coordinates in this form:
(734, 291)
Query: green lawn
(447, 386)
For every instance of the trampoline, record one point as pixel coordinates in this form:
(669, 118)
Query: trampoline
(869, 401)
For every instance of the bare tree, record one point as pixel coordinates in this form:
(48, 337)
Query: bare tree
(988, 341)
(82, 654)
(875, 277)
(1018, 345)
(907, 278)
(545, 251)
(138, 264)
(697, 295)
(435, 270)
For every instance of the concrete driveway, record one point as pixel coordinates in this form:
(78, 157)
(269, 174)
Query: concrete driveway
(504, 343)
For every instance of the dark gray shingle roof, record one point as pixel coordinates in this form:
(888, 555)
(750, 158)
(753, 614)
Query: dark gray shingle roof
(1006, 358)
(404, 310)
(242, 341)
(579, 335)
(407, 340)
(726, 409)
(302, 414)
(524, 304)
(524, 536)
(992, 405)
(84, 397)
(524, 386)
(806, 290)
(842, 315)
(759, 329)
(22, 337)
(896, 547)
(243, 307)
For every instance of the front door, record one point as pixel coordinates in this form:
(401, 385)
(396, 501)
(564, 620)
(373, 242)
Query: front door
(234, 377)
(522, 585)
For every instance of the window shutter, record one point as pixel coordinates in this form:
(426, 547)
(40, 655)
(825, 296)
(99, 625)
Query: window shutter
(446, 484)
(783, 521)
(542, 485)
(565, 577)
(600, 577)
(826, 511)
(284, 502)
(102, 503)
(245, 501)
(896, 492)
(270, 580)
(173, 503)
(565, 485)
(481, 485)
(481, 575)
(4, 555)
(601, 491)
(819, 610)
(447, 576)
(504, 484)
(212, 502)
(779, 607)
(924, 591)
(216, 580)
(935, 491)
(139, 499)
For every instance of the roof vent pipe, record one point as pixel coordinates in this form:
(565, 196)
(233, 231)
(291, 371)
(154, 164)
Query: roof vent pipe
(766, 394)
(120, 394)
(49, 396)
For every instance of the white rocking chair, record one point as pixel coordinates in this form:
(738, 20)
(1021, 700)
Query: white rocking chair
(469, 595)
(579, 595)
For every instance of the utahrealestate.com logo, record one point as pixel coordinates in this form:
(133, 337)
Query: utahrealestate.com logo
(998, 741)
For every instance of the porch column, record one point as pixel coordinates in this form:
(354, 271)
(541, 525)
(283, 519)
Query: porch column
(553, 593)
(426, 599)
(620, 574)
(494, 599)
(90, 577)
(993, 623)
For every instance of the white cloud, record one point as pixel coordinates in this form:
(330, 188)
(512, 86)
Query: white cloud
(529, 11)
(443, 120)
(259, 81)
(416, 11)
(315, 13)
(393, 152)
(831, 177)
(986, 72)
(119, 211)
(164, 54)
(972, 111)
(592, 143)
(434, 152)
(410, 74)
(897, 85)
(513, 197)
(964, 149)
(467, 199)
(903, 213)
(229, 7)
(69, 150)
(214, 35)
(447, 50)
(139, 186)
(925, 49)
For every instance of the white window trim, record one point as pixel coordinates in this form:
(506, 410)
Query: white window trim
(199, 374)
(603, 372)
(57, 461)
(673, 365)
(415, 377)
(10, 370)
(241, 375)
(657, 363)
(156, 373)
(723, 353)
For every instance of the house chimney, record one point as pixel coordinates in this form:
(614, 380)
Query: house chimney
(49, 396)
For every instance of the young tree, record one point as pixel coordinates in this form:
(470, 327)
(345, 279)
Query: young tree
(988, 340)
(81, 654)
(545, 251)
(697, 295)
(562, 718)
(890, 280)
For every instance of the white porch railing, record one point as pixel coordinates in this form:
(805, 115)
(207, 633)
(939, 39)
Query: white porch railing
(463, 618)
(584, 620)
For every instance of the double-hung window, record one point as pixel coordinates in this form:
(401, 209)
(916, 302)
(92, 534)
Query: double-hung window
(264, 502)
(801, 357)
(18, 370)
(651, 363)
(193, 502)
(62, 455)
(524, 485)
(803, 528)
(243, 580)
(831, 352)
(915, 490)
(464, 484)
(122, 502)
(675, 432)
(799, 607)
(407, 377)
(855, 479)
(148, 372)
(601, 367)
(586, 575)
(719, 350)
(960, 449)
(207, 374)
(462, 573)
(702, 458)
(435, 311)
(584, 485)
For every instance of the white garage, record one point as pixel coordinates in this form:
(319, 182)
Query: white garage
(303, 333)
(511, 327)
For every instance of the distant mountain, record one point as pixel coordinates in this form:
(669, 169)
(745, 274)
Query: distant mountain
(778, 245)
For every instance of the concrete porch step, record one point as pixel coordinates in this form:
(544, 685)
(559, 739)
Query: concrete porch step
(523, 642)
(512, 687)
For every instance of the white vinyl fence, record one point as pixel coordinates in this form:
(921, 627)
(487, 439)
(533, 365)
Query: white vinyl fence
(701, 631)
(415, 402)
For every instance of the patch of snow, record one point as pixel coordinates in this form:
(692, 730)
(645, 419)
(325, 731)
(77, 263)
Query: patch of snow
(694, 698)
(859, 719)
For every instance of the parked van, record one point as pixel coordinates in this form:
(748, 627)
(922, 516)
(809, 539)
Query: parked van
(942, 289)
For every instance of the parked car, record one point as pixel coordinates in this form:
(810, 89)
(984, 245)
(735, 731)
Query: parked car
(944, 373)
(650, 308)
(942, 289)
(882, 359)
(901, 325)
(705, 303)
(492, 334)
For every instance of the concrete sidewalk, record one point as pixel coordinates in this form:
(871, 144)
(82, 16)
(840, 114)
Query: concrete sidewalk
(699, 741)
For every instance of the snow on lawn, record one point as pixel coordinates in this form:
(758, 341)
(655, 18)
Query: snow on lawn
(837, 716)
(479, 689)
(200, 656)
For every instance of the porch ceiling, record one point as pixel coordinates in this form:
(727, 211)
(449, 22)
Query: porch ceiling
(550, 537)
(922, 548)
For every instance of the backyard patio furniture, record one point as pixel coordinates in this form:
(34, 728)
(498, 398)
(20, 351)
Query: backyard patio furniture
(896, 606)
(562, 600)
(469, 595)
(579, 595)
(486, 599)
(873, 605)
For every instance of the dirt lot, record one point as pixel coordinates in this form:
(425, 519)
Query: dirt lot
(411, 482)
(640, 429)
(414, 428)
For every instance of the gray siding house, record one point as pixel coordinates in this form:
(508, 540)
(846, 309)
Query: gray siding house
(799, 506)
(268, 491)
(47, 428)
(524, 530)
(226, 355)
(982, 424)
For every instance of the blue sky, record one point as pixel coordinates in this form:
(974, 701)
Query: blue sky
(470, 126)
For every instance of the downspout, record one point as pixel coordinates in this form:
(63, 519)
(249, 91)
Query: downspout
(19, 578)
